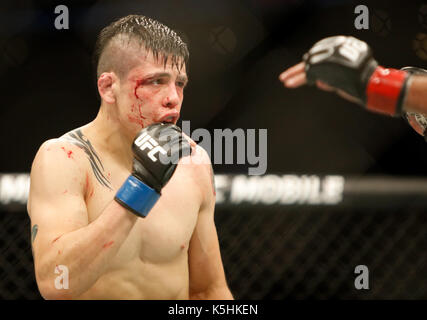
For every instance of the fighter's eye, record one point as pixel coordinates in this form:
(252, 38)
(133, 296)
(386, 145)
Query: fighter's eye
(156, 81)
(181, 84)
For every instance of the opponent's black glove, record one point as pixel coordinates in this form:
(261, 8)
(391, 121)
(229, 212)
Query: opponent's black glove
(346, 63)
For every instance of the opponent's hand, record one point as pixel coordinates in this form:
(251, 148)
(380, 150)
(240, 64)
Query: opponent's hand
(346, 65)
(295, 77)
(157, 150)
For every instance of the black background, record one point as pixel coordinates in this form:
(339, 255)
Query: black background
(237, 51)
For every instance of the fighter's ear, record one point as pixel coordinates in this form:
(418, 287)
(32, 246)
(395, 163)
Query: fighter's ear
(106, 84)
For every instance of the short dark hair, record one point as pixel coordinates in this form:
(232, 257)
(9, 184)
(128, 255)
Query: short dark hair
(150, 34)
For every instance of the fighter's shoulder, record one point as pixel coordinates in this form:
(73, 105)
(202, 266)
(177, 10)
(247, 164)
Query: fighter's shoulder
(59, 153)
(202, 167)
(198, 154)
(202, 156)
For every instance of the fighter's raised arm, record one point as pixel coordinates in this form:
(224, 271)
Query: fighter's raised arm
(62, 234)
(346, 66)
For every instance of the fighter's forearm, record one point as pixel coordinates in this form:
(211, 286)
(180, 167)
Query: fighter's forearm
(416, 95)
(85, 252)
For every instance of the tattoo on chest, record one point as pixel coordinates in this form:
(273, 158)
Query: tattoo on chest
(77, 138)
(34, 230)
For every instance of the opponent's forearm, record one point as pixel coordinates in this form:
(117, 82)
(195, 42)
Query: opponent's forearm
(416, 95)
(85, 252)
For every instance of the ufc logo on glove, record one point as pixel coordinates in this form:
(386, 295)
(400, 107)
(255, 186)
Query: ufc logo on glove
(141, 190)
(145, 141)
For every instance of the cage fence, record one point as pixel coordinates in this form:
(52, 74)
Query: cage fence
(294, 244)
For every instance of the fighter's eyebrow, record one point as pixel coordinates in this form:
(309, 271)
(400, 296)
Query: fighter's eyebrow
(180, 77)
(157, 75)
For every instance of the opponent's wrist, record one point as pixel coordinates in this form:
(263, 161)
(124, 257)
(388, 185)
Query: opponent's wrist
(386, 90)
(136, 196)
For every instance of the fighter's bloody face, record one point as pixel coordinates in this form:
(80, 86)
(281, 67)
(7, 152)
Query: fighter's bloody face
(151, 93)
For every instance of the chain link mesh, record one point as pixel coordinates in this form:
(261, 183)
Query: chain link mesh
(285, 253)
(311, 253)
(17, 279)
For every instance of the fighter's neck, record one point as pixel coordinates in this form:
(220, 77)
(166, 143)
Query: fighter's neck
(108, 134)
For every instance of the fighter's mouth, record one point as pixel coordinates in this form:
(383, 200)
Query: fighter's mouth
(168, 120)
(172, 118)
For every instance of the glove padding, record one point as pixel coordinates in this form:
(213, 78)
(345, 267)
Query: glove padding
(157, 150)
(344, 63)
(347, 64)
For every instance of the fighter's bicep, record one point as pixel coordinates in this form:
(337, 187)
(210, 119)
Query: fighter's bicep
(56, 202)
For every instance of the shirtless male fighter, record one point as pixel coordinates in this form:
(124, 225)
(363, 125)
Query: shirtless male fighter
(346, 65)
(103, 204)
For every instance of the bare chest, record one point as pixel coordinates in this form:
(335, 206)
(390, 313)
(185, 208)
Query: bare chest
(162, 236)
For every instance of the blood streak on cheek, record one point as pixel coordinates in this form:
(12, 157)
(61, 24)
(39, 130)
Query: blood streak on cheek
(136, 120)
(140, 112)
(138, 83)
(136, 115)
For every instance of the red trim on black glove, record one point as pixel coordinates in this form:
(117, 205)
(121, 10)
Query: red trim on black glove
(385, 91)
